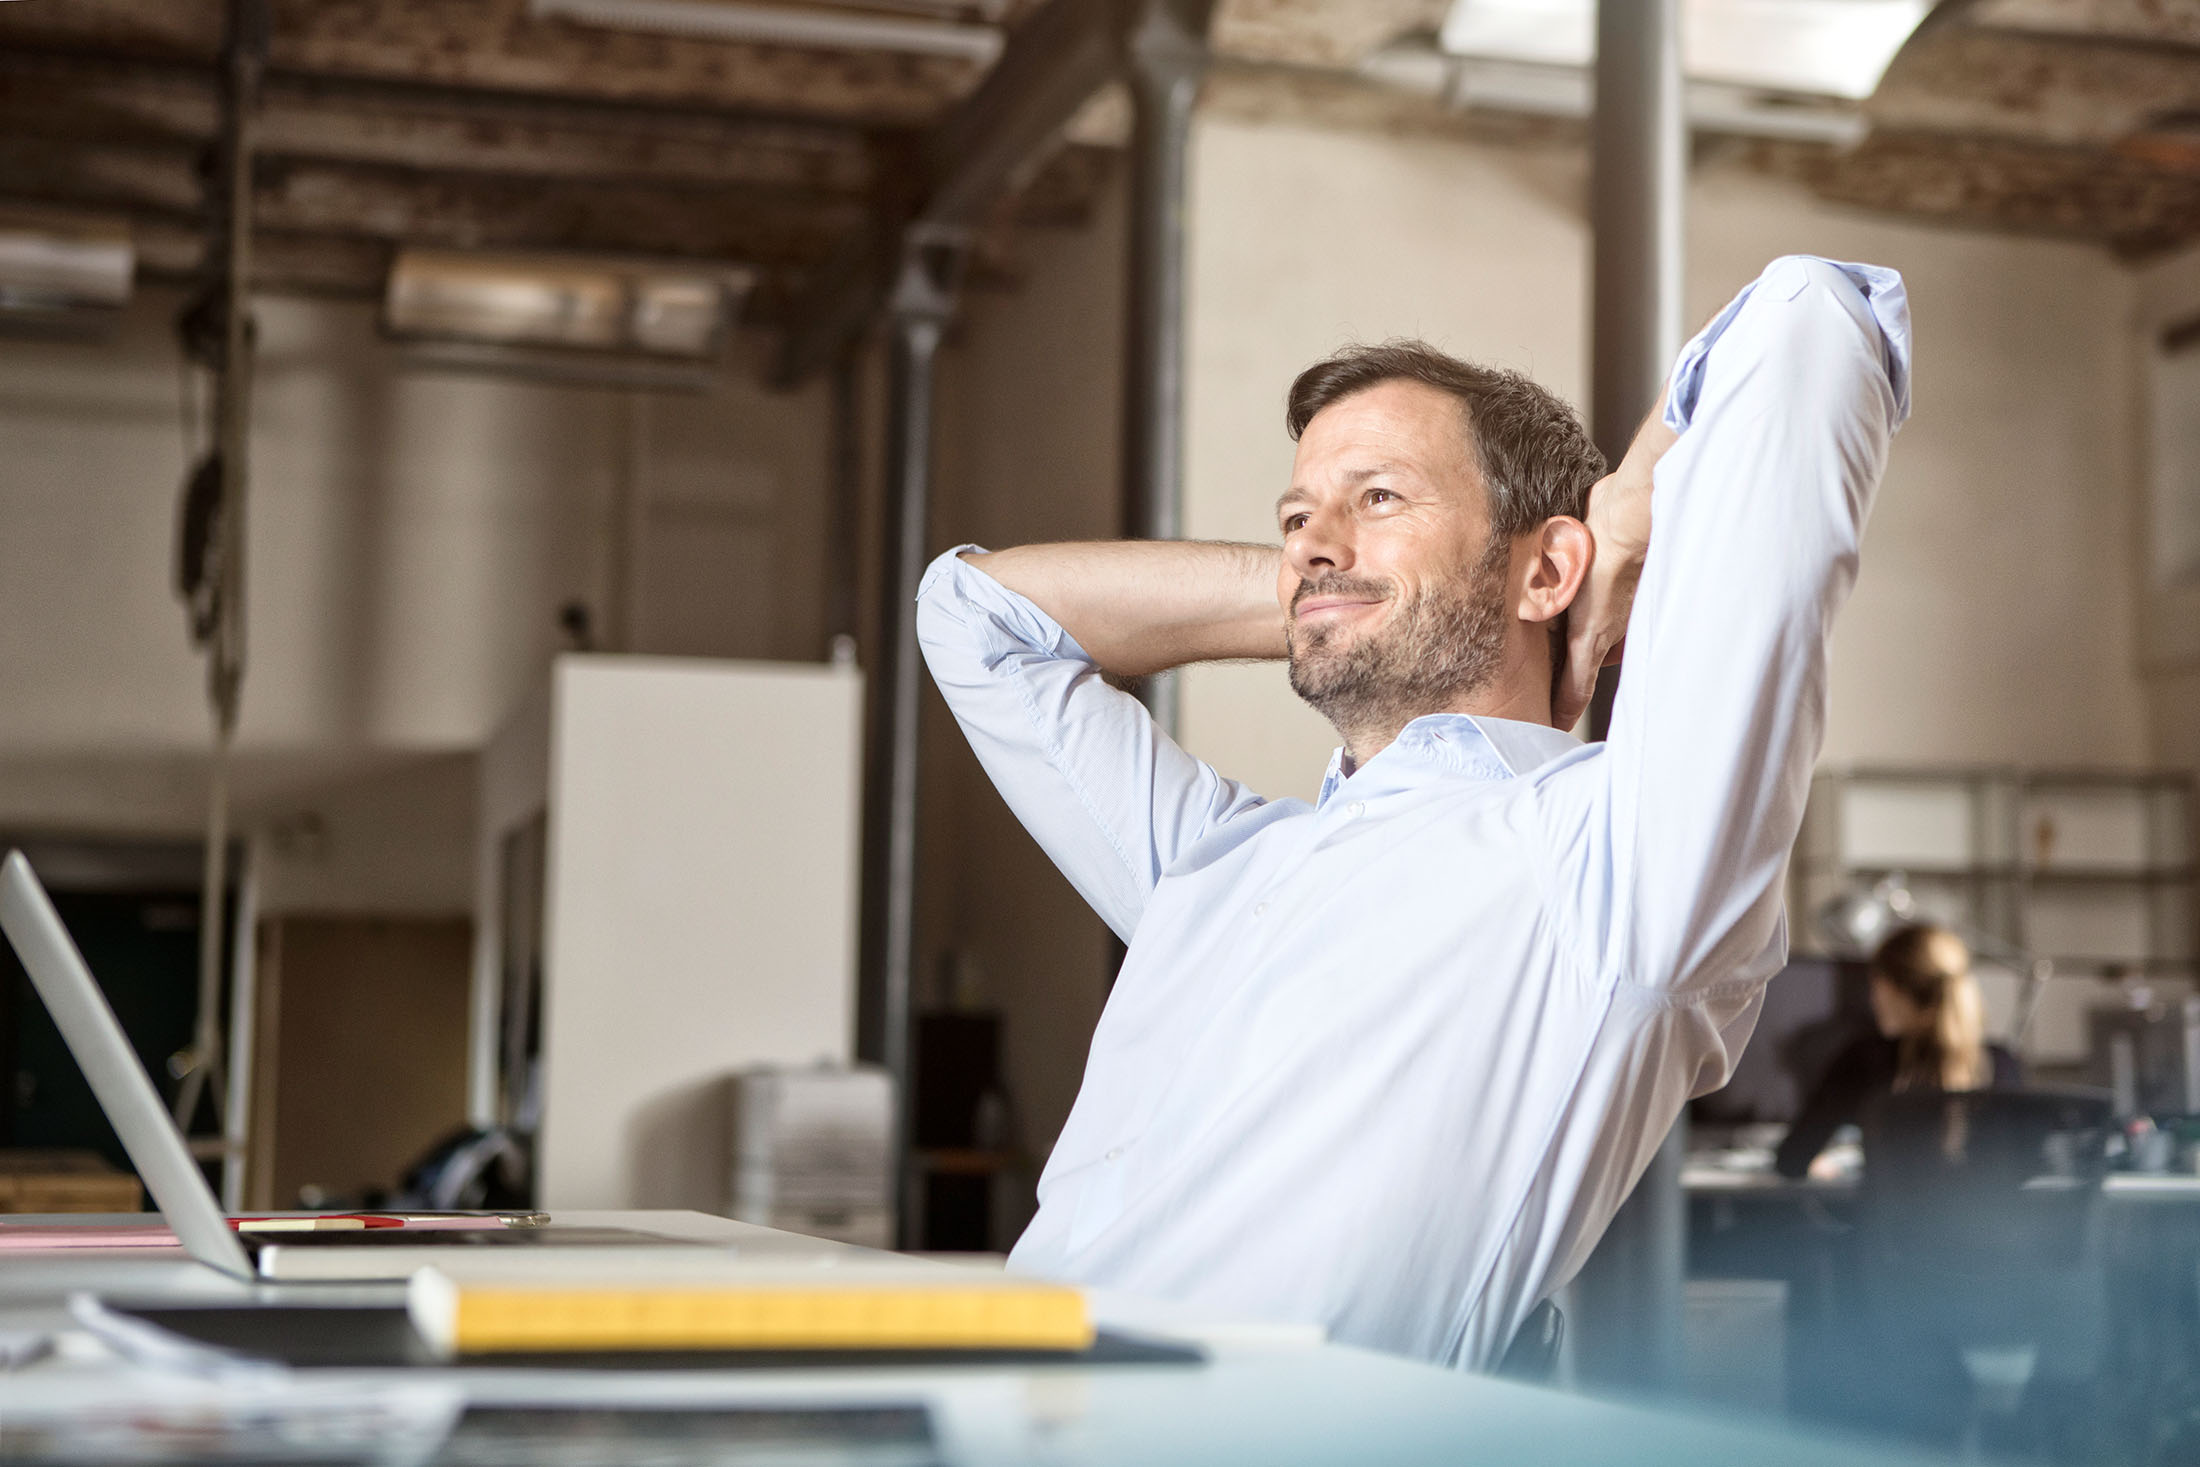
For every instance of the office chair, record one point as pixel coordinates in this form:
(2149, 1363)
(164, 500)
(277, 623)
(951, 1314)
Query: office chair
(1974, 1251)
(1532, 1357)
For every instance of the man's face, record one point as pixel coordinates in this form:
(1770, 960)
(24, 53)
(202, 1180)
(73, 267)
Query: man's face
(1394, 599)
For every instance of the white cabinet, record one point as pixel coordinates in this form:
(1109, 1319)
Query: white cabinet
(666, 880)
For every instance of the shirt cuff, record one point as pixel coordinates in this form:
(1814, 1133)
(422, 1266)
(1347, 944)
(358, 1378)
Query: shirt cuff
(950, 577)
(1883, 293)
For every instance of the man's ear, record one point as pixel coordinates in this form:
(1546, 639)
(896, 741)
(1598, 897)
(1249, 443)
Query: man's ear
(1561, 551)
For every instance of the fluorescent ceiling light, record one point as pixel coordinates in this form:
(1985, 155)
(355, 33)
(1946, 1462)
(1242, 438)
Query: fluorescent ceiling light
(1542, 32)
(776, 25)
(1829, 48)
(60, 262)
(1538, 89)
(1825, 48)
(549, 300)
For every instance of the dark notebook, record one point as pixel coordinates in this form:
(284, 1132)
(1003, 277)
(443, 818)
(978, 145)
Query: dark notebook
(309, 1335)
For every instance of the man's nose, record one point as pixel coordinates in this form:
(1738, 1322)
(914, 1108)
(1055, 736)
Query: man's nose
(1320, 546)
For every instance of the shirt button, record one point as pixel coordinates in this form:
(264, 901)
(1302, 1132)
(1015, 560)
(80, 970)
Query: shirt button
(1355, 810)
(1114, 1152)
(1260, 909)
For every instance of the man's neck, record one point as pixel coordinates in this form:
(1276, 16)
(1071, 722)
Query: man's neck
(1521, 701)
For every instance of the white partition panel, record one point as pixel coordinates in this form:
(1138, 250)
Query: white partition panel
(699, 913)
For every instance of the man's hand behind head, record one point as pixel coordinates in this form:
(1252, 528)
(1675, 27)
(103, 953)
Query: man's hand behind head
(1619, 524)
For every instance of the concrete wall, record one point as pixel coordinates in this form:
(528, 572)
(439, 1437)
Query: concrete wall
(2169, 416)
(391, 840)
(1995, 616)
(1029, 429)
(413, 536)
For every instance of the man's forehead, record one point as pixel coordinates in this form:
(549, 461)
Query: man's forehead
(1393, 427)
(1401, 411)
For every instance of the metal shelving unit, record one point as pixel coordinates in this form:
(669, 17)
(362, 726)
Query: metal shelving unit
(2094, 869)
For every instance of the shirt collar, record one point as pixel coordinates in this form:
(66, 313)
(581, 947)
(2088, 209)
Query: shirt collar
(1468, 744)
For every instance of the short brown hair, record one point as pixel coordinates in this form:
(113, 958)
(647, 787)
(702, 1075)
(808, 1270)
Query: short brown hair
(1533, 451)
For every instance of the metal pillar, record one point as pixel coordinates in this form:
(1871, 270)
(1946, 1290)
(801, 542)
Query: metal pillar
(1165, 54)
(1629, 1298)
(841, 569)
(918, 311)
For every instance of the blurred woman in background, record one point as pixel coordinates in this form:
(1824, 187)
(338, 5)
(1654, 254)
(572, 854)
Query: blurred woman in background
(1930, 1024)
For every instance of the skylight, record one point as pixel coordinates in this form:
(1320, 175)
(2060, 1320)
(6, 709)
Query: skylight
(1822, 48)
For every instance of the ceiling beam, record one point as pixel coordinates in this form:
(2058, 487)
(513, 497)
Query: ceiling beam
(97, 99)
(2082, 194)
(283, 263)
(2032, 88)
(403, 206)
(434, 129)
(488, 135)
(2153, 22)
(1054, 61)
(176, 30)
(1319, 33)
(161, 178)
(495, 45)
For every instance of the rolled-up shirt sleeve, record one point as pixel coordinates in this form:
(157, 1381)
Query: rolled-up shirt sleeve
(1108, 796)
(1678, 836)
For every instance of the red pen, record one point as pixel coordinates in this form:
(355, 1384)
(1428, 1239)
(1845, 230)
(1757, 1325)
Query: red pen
(327, 1222)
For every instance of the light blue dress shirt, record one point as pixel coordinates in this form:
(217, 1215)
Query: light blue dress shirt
(1389, 1062)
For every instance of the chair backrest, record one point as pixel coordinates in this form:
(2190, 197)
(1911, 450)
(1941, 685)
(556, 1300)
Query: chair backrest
(1532, 1357)
(1978, 1182)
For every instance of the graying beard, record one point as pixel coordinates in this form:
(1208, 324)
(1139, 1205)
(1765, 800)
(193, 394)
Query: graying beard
(1441, 649)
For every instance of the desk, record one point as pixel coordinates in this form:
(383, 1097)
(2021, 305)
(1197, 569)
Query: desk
(1263, 1398)
(1751, 1222)
(1708, 1179)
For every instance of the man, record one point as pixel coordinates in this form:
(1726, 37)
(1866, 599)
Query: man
(1390, 1061)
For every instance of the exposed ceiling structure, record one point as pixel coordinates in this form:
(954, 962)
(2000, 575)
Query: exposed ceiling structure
(2073, 118)
(775, 133)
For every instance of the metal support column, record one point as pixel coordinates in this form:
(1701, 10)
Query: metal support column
(918, 312)
(1165, 54)
(841, 569)
(1629, 1298)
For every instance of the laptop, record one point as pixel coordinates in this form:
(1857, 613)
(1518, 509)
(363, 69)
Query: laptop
(156, 1148)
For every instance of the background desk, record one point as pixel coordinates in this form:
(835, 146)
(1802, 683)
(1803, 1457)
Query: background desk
(1752, 1223)
(1261, 1399)
(1700, 1179)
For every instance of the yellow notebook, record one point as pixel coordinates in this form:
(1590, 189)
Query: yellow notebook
(946, 1310)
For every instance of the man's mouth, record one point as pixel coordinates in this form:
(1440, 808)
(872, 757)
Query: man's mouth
(1341, 599)
(1316, 606)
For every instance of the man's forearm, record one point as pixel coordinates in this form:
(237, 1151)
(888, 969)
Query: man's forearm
(1138, 606)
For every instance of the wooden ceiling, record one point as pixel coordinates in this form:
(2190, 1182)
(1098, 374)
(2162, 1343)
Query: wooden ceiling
(470, 123)
(467, 123)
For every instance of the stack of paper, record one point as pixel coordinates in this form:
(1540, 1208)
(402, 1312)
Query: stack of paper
(812, 1152)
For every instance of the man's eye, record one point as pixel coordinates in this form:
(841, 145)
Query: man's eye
(1293, 522)
(1378, 496)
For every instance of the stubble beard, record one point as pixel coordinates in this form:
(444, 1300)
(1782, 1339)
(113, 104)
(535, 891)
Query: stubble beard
(1446, 642)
